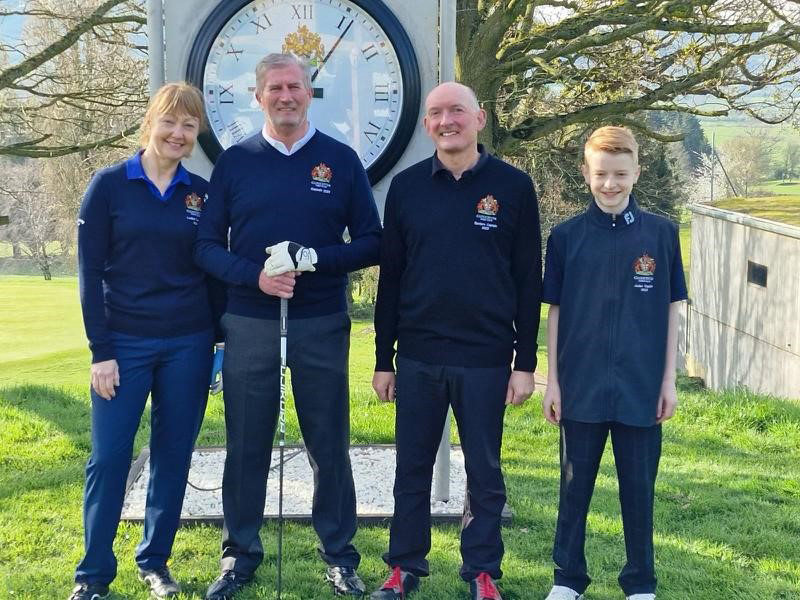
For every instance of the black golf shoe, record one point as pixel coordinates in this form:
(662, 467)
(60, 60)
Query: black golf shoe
(226, 585)
(484, 588)
(345, 581)
(89, 591)
(161, 582)
(399, 584)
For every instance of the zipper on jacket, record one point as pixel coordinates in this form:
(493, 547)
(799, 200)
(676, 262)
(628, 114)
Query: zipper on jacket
(611, 323)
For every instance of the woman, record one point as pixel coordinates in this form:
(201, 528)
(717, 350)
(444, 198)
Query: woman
(148, 317)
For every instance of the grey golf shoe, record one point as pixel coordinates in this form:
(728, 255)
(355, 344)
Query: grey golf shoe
(345, 581)
(89, 591)
(160, 581)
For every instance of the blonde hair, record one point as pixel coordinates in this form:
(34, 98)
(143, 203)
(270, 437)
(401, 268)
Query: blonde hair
(614, 140)
(173, 99)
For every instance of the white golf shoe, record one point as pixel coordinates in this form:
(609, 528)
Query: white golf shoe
(641, 597)
(560, 592)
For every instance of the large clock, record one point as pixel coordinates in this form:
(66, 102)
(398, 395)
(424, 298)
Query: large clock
(365, 77)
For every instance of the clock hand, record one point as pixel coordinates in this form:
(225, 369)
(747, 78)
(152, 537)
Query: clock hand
(324, 60)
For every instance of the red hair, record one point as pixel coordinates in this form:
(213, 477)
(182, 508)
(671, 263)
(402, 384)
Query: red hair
(614, 140)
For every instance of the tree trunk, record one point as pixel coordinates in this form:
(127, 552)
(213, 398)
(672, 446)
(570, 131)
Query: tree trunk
(44, 262)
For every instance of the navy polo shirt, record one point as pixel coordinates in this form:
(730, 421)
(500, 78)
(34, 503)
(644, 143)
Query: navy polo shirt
(135, 258)
(135, 170)
(613, 277)
(461, 268)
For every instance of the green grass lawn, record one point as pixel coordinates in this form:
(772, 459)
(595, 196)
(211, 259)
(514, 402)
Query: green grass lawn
(782, 209)
(724, 129)
(685, 240)
(728, 496)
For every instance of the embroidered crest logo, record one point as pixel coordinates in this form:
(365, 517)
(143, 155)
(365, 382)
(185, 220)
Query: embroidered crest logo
(322, 173)
(644, 266)
(488, 206)
(194, 202)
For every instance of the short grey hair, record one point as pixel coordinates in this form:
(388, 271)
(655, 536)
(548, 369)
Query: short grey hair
(276, 60)
(473, 97)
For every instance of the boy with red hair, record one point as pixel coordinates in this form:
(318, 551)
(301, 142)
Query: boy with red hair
(613, 279)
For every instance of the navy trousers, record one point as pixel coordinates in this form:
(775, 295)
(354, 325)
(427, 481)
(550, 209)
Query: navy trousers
(477, 395)
(175, 373)
(317, 354)
(637, 451)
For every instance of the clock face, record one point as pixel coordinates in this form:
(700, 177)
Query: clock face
(364, 72)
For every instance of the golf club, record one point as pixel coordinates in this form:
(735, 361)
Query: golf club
(281, 437)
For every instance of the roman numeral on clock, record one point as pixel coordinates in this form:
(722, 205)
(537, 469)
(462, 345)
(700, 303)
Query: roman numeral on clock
(303, 11)
(381, 93)
(261, 23)
(369, 51)
(372, 132)
(236, 53)
(236, 130)
(225, 94)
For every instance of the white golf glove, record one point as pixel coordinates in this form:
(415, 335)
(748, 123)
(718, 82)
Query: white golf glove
(289, 256)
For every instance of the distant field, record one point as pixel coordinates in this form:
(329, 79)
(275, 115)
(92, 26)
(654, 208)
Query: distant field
(780, 188)
(722, 130)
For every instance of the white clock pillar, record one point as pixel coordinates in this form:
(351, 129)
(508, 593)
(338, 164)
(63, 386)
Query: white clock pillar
(419, 18)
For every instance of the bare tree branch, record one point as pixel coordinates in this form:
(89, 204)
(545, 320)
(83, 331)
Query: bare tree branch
(565, 65)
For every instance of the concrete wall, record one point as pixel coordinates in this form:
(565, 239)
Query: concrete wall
(739, 333)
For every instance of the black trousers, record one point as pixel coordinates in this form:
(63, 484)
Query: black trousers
(477, 396)
(637, 451)
(317, 354)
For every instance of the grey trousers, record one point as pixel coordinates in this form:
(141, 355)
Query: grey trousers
(317, 354)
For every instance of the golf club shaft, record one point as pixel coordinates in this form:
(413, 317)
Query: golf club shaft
(281, 436)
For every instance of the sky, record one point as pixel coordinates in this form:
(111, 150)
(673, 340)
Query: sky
(11, 27)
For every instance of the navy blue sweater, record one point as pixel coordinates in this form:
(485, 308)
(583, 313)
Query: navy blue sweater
(266, 197)
(461, 267)
(136, 269)
(613, 278)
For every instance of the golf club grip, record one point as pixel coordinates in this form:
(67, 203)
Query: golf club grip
(284, 333)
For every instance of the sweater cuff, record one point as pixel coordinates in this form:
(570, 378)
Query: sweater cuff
(102, 353)
(384, 360)
(525, 362)
(255, 275)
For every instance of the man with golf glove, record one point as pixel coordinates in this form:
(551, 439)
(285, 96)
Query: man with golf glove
(287, 182)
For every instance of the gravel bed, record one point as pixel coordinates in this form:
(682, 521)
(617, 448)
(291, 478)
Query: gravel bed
(373, 471)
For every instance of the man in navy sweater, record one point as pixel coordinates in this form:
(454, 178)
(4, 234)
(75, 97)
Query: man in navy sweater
(459, 291)
(293, 190)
